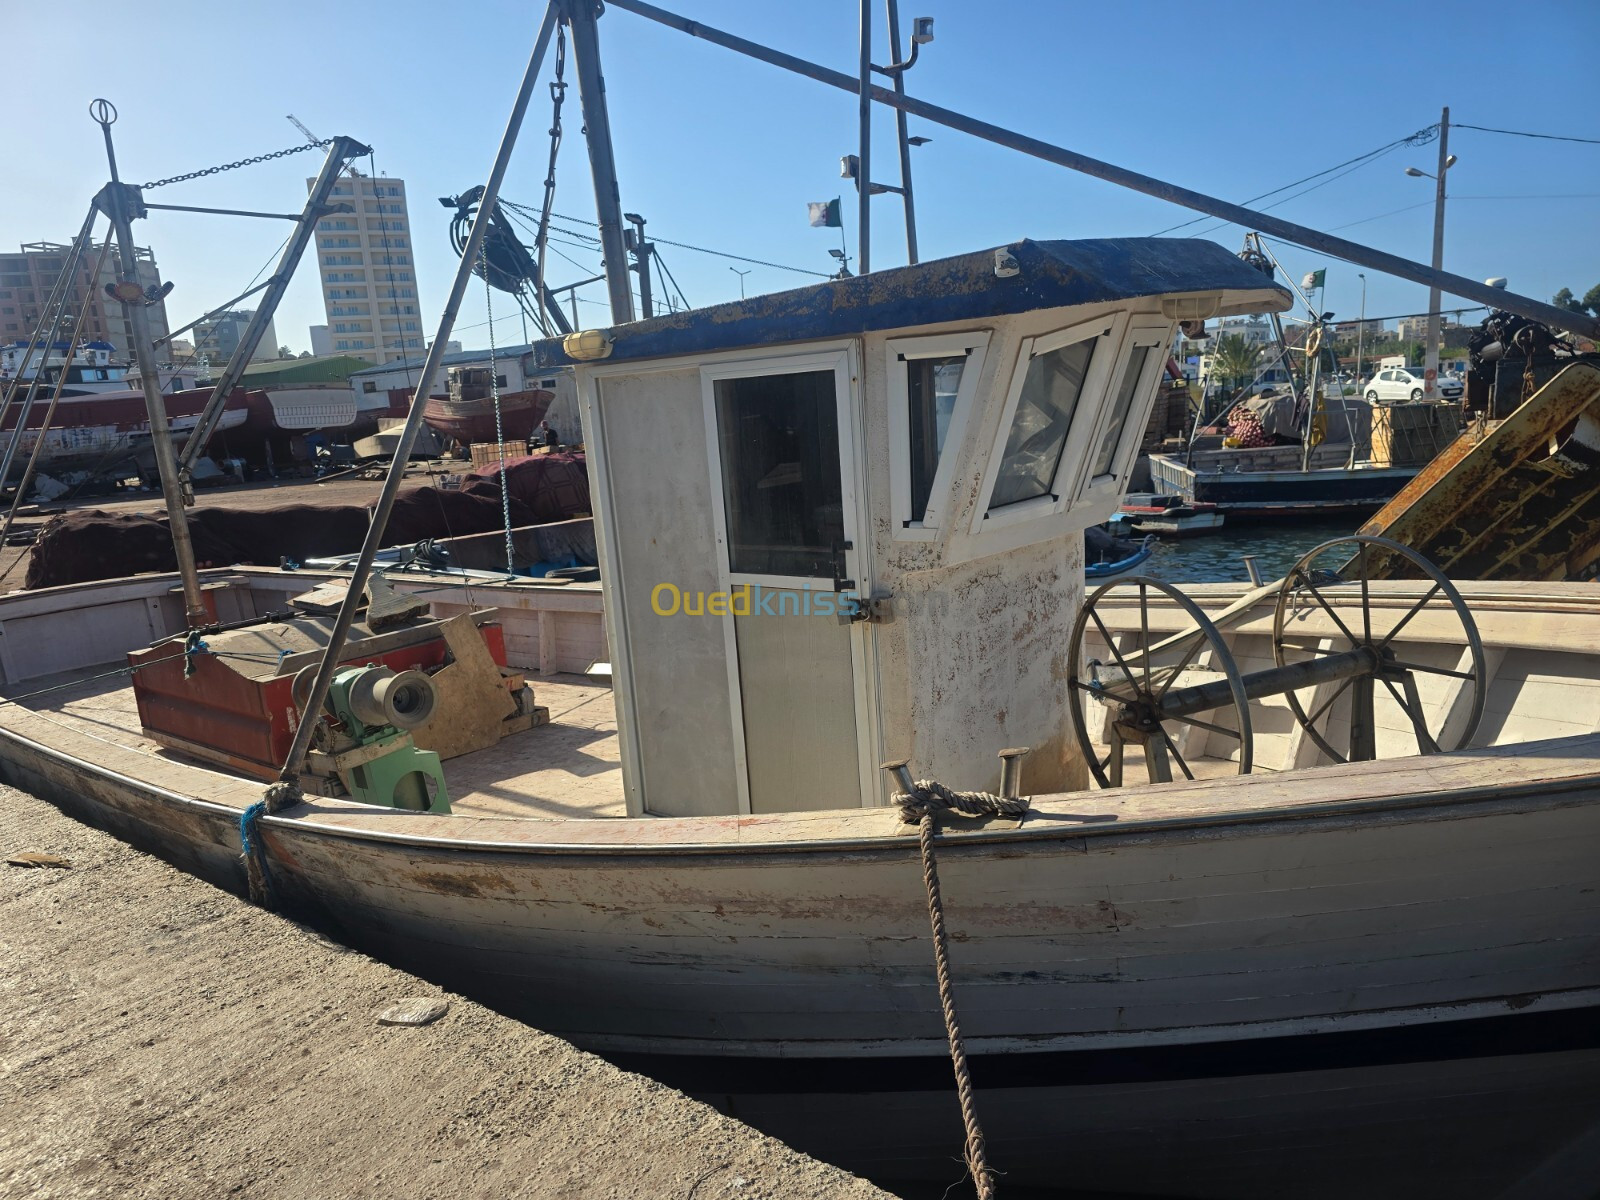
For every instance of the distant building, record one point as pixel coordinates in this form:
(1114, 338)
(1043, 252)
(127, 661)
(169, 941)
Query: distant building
(1415, 329)
(27, 276)
(321, 341)
(179, 349)
(368, 281)
(219, 336)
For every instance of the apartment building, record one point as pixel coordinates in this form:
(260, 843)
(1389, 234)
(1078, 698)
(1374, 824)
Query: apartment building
(27, 276)
(369, 286)
(219, 336)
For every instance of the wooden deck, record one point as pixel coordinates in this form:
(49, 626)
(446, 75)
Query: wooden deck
(567, 768)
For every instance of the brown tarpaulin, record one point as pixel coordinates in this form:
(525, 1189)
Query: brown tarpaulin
(82, 546)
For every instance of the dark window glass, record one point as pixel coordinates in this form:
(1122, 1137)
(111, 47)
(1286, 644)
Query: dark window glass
(1038, 435)
(779, 442)
(1119, 410)
(931, 387)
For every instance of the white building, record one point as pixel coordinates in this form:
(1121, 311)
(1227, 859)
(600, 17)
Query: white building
(321, 341)
(368, 277)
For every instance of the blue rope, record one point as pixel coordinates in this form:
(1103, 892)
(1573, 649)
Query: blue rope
(250, 841)
(194, 644)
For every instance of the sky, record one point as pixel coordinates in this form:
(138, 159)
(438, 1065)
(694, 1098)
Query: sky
(721, 152)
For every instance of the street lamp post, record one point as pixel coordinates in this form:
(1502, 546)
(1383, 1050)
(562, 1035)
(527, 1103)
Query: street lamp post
(1361, 328)
(741, 275)
(1447, 160)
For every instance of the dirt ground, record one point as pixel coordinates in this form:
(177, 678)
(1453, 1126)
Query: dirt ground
(162, 1038)
(344, 489)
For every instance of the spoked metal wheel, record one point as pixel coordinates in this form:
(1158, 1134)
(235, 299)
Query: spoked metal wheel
(1136, 685)
(1325, 614)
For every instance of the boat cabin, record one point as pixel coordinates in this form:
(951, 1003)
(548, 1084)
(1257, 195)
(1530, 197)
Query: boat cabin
(845, 524)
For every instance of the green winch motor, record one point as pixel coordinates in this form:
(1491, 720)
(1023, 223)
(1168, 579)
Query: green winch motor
(373, 752)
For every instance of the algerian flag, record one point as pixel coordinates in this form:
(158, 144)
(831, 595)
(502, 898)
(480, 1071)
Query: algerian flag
(825, 214)
(1314, 279)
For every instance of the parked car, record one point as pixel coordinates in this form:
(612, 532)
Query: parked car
(1406, 383)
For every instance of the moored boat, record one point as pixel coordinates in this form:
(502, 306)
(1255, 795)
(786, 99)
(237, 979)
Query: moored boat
(1168, 516)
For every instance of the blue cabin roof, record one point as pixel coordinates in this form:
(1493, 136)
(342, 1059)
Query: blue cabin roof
(1056, 274)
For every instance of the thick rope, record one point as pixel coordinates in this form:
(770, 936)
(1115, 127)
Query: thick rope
(253, 848)
(929, 797)
(977, 1162)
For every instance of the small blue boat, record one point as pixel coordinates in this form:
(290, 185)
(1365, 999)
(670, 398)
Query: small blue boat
(1108, 567)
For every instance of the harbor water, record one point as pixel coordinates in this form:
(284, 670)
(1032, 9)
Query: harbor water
(1219, 557)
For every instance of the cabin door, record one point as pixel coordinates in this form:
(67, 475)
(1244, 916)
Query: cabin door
(783, 465)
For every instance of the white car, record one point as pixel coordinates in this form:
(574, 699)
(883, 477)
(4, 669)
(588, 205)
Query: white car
(1406, 383)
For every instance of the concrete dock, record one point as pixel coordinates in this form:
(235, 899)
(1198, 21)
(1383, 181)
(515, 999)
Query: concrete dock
(162, 1038)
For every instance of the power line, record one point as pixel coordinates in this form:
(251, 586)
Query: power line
(1552, 137)
(1380, 216)
(1420, 138)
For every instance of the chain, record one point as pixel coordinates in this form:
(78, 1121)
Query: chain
(558, 91)
(243, 162)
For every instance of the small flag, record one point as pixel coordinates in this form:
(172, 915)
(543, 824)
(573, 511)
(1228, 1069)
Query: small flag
(1314, 279)
(825, 214)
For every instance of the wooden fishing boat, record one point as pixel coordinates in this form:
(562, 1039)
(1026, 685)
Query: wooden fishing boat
(1312, 979)
(1168, 516)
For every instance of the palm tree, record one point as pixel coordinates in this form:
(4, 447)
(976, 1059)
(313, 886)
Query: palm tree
(1234, 360)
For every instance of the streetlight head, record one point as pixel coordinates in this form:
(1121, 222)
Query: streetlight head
(1414, 173)
(849, 166)
(1450, 161)
(837, 253)
(922, 31)
(1497, 281)
(918, 140)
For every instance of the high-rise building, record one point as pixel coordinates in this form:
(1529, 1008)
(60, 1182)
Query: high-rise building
(27, 276)
(368, 278)
(218, 337)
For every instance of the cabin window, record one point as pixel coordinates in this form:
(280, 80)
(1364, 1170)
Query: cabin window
(932, 381)
(1039, 427)
(1144, 354)
(1132, 376)
(778, 440)
(368, 385)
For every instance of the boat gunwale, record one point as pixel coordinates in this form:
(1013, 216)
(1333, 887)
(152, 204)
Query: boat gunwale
(332, 825)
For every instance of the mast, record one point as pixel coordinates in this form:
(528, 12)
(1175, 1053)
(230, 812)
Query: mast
(122, 202)
(580, 16)
(318, 692)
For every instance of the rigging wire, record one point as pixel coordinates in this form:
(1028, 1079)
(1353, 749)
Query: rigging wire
(1552, 137)
(1420, 138)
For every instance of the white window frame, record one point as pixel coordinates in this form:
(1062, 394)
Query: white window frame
(898, 354)
(1154, 334)
(1062, 488)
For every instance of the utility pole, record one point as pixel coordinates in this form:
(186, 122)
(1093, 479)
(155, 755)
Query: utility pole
(121, 202)
(1430, 373)
(1361, 328)
(641, 249)
(580, 17)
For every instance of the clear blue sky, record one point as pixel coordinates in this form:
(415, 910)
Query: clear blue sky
(1231, 99)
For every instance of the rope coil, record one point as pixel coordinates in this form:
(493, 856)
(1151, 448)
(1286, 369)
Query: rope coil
(929, 797)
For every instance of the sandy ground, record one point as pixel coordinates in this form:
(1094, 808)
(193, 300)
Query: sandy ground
(162, 1038)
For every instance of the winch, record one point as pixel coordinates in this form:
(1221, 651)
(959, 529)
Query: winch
(367, 742)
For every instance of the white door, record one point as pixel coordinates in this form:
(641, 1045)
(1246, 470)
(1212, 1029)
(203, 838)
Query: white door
(783, 467)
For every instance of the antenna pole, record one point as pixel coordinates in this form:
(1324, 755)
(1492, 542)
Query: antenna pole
(864, 150)
(580, 17)
(122, 202)
(901, 133)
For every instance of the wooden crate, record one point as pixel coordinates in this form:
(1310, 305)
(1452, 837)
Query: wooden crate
(1411, 435)
(487, 454)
